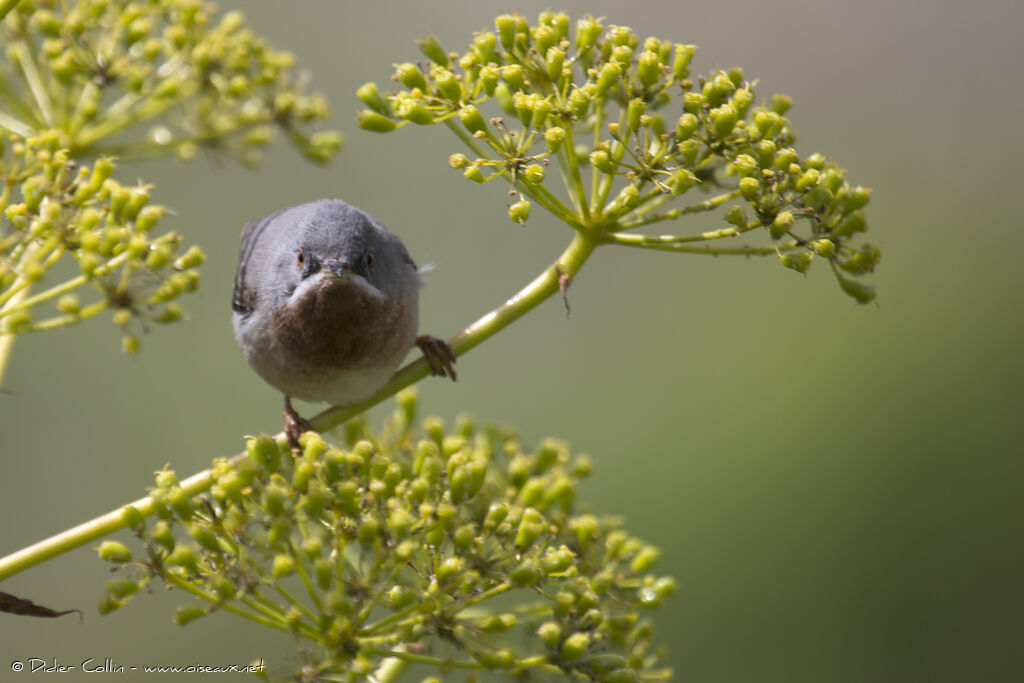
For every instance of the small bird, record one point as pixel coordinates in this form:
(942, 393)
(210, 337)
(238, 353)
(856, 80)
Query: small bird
(326, 306)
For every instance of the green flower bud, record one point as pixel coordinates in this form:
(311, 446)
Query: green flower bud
(119, 589)
(112, 551)
(781, 224)
(648, 68)
(681, 181)
(489, 76)
(473, 173)
(863, 293)
(69, 304)
(781, 104)
(503, 95)
(550, 633)
(579, 102)
(448, 85)
(741, 100)
(575, 646)
(800, 261)
(130, 344)
(554, 137)
(283, 566)
(192, 258)
(401, 596)
(588, 30)
(858, 199)
(809, 179)
(556, 560)
(785, 157)
(450, 568)
(824, 247)
(472, 119)
(735, 215)
(187, 614)
(693, 102)
(519, 211)
(506, 27)
(534, 173)
(686, 126)
(749, 187)
(411, 109)
(541, 109)
(162, 535)
(723, 120)
(765, 153)
(863, 260)
(745, 165)
(718, 89)
(512, 74)
(767, 122)
(554, 60)
(681, 64)
(409, 75)
(430, 47)
(601, 160)
(525, 575)
(184, 557)
(853, 223)
(370, 95)
(499, 623)
(369, 529)
(484, 44)
(524, 107)
(544, 38)
(635, 110)
(607, 77)
(530, 529)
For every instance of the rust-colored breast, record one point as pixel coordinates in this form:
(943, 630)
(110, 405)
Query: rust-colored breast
(340, 325)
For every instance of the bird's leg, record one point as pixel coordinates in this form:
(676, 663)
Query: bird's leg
(439, 355)
(294, 425)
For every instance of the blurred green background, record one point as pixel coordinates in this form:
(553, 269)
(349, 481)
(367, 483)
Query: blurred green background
(839, 490)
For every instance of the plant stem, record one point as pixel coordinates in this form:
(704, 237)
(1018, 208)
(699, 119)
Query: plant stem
(7, 340)
(542, 287)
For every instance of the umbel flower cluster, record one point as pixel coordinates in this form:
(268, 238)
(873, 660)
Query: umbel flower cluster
(629, 115)
(459, 548)
(125, 266)
(91, 69)
(82, 81)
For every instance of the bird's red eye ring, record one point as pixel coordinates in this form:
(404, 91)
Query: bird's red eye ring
(302, 258)
(369, 260)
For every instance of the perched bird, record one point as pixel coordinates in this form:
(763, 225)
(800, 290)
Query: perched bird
(326, 306)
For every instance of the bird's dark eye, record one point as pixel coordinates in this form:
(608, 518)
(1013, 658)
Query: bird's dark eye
(302, 258)
(369, 260)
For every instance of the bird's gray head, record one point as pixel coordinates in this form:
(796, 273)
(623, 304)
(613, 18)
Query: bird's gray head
(329, 243)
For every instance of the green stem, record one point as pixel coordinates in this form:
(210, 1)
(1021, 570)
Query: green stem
(574, 184)
(683, 244)
(35, 82)
(531, 296)
(178, 582)
(6, 6)
(7, 340)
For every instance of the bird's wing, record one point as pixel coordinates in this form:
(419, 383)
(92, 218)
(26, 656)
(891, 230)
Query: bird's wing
(243, 297)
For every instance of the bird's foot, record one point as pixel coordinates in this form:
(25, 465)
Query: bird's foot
(294, 426)
(439, 355)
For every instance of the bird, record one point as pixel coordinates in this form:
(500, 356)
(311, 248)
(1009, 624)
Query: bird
(325, 305)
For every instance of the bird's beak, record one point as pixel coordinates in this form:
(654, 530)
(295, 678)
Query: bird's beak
(337, 268)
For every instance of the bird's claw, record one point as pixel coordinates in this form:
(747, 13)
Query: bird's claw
(294, 426)
(439, 355)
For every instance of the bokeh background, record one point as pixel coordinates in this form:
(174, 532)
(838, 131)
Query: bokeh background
(839, 490)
